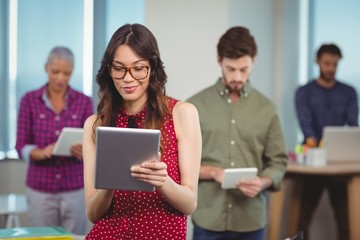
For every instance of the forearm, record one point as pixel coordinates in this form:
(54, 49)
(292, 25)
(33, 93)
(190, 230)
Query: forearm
(275, 155)
(266, 183)
(210, 172)
(182, 198)
(304, 114)
(37, 155)
(98, 201)
(252, 187)
(353, 114)
(98, 204)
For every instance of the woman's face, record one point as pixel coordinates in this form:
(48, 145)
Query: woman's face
(130, 74)
(59, 72)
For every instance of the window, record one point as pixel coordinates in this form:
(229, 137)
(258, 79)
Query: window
(33, 28)
(336, 22)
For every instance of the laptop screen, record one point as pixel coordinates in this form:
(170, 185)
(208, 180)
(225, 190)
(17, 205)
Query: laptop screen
(342, 144)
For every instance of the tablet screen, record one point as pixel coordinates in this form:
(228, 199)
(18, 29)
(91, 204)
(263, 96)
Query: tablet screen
(117, 149)
(68, 137)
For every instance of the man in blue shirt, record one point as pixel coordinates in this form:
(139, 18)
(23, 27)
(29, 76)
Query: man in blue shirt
(325, 102)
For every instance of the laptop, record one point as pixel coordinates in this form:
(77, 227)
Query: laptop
(342, 144)
(117, 149)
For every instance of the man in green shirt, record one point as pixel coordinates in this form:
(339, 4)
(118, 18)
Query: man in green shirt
(240, 129)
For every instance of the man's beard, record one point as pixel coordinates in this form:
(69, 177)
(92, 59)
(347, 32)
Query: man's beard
(327, 77)
(233, 86)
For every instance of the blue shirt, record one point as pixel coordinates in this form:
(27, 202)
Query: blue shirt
(318, 107)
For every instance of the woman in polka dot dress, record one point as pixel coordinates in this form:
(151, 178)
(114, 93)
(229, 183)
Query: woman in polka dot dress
(132, 94)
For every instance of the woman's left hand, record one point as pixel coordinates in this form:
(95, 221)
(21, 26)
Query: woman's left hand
(252, 187)
(153, 172)
(76, 151)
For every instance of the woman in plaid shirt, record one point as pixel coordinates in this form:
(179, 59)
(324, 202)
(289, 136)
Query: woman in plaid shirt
(55, 188)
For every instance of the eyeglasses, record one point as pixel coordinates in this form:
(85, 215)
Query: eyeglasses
(137, 72)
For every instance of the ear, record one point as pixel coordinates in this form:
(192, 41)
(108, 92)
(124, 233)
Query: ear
(45, 67)
(253, 60)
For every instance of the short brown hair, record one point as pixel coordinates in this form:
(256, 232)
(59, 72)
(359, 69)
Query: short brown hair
(329, 48)
(237, 42)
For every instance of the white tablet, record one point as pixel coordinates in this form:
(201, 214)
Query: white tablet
(233, 175)
(68, 137)
(117, 149)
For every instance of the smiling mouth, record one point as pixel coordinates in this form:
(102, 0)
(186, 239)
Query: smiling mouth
(130, 87)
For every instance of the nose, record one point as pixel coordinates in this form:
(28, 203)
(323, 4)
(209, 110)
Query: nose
(238, 75)
(128, 77)
(62, 77)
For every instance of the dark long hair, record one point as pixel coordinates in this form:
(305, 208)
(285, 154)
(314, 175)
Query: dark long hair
(143, 43)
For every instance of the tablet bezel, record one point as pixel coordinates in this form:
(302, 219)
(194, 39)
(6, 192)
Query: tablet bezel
(233, 175)
(117, 149)
(68, 137)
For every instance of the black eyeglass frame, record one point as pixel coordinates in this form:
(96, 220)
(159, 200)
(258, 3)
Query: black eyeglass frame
(129, 69)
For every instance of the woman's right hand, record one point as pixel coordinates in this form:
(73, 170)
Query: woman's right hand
(40, 154)
(47, 151)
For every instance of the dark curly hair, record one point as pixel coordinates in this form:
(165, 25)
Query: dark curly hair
(143, 43)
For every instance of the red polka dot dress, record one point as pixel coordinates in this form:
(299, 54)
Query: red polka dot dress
(145, 215)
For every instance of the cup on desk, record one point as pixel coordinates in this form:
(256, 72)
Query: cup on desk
(316, 157)
(300, 159)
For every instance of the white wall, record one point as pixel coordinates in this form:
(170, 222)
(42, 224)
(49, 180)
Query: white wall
(260, 21)
(187, 33)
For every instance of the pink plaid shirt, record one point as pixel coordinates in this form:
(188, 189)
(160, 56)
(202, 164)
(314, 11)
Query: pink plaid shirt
(38, 125)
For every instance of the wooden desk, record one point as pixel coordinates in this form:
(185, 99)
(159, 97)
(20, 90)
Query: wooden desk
(295, 173)
(11, 205)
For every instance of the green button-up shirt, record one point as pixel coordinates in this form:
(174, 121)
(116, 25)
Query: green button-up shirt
(245, 134)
